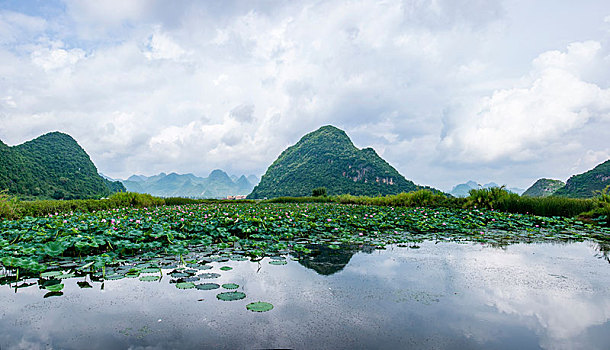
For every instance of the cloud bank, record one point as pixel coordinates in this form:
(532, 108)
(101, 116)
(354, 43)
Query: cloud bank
(446, 91)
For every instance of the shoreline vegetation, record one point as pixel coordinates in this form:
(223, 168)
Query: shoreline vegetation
(593, 210)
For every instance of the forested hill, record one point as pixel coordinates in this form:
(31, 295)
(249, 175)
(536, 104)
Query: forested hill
(587, 184)
(52, 166)
(328, 158)
(544, 188)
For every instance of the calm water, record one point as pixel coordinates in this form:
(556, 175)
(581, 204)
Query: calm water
(442, 296)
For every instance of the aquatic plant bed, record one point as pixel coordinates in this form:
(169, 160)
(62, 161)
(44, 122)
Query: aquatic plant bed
(31, 246)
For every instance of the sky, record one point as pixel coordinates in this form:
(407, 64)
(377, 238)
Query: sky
(446, 91)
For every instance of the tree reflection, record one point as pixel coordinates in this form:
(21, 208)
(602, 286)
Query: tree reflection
(327, 261)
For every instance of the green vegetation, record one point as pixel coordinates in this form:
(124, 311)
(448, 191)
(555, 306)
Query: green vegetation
(52, 166)
(103, 238)
(544, 188)
(328, 158)
(319, 192)
(588, 184)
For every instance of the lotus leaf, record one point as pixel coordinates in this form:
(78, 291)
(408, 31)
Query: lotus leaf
(259, 306)
(230, 296)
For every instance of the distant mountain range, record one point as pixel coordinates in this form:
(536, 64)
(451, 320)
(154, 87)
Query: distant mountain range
(328, 158)
(461, 190)
(217, 185)
(52, 166)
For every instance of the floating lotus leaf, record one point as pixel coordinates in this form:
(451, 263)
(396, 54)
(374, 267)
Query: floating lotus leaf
(226, 268)
(190, 271)
(132, 275)
(230, 296)
(51, 274)
(259, 306)
(65, 276)
(185, 285)
(179, 274)
(54, 287)
(230, 286)
(207, 286)
(150, 270)
(209, 275)
(277, 262)
(114, 277)
(238, 258)
(149, 278)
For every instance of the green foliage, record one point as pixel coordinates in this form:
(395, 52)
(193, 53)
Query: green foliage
(487, 197)
(131, 199)
(588, 184)
(546, 206)
(328, 158)
(51, 166)
(319, 192)
(98, 239)
(8, 206)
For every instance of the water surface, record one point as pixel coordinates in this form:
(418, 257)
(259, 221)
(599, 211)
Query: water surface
(443, 296)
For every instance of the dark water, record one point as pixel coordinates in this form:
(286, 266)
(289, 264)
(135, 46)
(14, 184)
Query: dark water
(440, 296)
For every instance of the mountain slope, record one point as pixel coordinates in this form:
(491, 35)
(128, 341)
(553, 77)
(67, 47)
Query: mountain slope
(328, 158)
(217, 185)
(52, 166)
(587, 184)
(544, 188)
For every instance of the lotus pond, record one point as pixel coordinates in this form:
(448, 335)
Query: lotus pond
(303, 276)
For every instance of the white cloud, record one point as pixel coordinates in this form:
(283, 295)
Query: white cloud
(517, 122)
(148, 86)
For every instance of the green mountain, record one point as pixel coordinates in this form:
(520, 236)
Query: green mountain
(544, 188)
(52, 166)
(328, 158)
(587, 184)
(463, 190)
(217, 185)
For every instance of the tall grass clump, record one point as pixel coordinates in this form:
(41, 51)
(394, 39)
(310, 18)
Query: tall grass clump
(8, 206)
(545, 206)
(300, 200)
(132, 199)
(421, 198)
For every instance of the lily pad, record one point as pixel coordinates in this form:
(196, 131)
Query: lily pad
(51, 274)
(54, 287)
(226, 268)
(230, 296)
(277, 262)
(149, 278)
(209, 275)
(65, 276)
(185, 285)
(207, 286)
(114, 277)
(230, 286)
(150, 270)
(259, 306)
